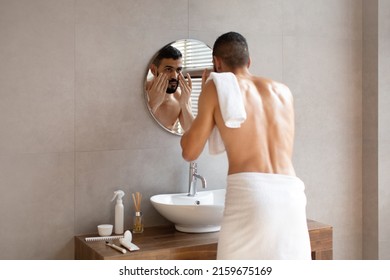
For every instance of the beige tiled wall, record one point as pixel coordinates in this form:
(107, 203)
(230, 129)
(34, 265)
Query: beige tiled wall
(74, 126)
(37, 107)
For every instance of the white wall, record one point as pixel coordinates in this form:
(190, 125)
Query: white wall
(74, 126)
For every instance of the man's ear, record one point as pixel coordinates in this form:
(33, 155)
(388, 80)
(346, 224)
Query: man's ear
(153, 69)
(249, 62)
(217, 63)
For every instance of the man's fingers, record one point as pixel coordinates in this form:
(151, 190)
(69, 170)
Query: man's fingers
(187, 85)
(189, 80)
(162, 82)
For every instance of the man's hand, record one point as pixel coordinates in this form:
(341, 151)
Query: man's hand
(157, 91)
(205, 76)
(186, 116)
(186, 88)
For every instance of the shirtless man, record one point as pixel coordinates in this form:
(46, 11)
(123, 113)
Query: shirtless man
(170, 103)
(264, 142)
(262, 146)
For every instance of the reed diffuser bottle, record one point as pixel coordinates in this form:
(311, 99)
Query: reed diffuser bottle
(138, 225)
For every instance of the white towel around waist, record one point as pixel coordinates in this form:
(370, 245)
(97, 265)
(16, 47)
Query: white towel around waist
(231, 105)
(264, 218)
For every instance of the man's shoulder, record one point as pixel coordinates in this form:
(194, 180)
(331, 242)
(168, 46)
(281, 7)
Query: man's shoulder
(209, 87)
(268, 81)
(274, 86)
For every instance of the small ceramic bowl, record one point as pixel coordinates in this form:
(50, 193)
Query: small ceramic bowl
(104, 230)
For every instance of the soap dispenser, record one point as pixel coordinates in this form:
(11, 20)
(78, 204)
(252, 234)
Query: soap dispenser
(119, 219)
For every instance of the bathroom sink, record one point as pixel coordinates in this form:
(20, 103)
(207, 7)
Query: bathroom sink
(200, 213)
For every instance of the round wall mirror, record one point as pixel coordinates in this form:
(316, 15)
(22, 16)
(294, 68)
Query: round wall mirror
(172, 102)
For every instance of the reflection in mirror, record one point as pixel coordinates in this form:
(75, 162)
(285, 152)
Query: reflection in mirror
(170, 93)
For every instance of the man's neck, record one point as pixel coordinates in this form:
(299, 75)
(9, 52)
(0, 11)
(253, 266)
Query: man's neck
(241, 72)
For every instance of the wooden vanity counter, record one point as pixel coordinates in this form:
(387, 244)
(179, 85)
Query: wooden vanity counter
(166, 243)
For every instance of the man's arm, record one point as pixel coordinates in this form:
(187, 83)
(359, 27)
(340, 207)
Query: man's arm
(186, 117)
(194, 140)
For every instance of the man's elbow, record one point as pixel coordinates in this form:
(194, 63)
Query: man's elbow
(190, 148)
(188, 156)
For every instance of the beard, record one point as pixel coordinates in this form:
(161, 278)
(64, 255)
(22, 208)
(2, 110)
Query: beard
(172, 86)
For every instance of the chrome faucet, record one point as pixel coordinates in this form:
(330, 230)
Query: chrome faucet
(193, 178)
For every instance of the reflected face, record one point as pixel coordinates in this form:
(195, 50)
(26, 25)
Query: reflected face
(171, 68)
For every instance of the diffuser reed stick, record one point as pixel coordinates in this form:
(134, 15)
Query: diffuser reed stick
(138, 226)
(137, 201)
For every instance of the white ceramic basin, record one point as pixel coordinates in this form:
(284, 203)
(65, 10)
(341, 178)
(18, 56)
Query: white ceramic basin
(201, 213)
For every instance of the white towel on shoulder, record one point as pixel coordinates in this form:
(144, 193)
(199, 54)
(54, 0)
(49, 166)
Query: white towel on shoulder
(231, 105)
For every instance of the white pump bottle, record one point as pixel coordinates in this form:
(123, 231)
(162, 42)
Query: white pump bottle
(119, 219)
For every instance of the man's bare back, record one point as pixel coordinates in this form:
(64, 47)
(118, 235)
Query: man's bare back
(264, 142)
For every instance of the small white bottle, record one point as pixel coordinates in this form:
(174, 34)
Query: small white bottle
(119, 219)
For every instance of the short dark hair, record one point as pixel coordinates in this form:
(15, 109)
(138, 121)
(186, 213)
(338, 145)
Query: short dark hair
(232, 48)
(166, 52)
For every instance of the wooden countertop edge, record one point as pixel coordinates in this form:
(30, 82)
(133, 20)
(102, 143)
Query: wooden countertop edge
(171, 241)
